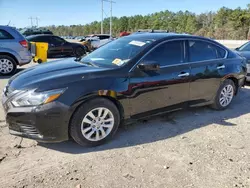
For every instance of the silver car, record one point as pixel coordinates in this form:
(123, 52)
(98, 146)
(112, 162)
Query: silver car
(14, 50)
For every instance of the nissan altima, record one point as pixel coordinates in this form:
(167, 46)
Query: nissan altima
(129, 78)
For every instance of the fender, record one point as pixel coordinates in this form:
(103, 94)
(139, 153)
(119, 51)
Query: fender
(11, 52)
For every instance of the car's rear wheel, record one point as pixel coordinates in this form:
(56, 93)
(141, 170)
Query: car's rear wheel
(7, 65)
(79, 52)
(95, 122)
(225, 95)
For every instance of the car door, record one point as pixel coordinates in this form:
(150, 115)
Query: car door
(57, 46)
(166, 87)
(66, 47)
(208, 63)
(43, 38)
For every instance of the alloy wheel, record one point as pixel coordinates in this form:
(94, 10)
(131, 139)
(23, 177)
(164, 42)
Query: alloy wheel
(6, 66)
(226, 95)
(97, 124)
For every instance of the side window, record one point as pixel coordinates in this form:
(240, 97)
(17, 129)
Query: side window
(220, 52)
(169, 53)
(5, 35)
(34, 39)
(40, 39)
(57, 40)
(201, 51)
(45, 39)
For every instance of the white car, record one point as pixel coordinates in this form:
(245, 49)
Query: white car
(99, 40)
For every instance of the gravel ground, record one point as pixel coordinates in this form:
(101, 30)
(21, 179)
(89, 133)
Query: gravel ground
(193, 148)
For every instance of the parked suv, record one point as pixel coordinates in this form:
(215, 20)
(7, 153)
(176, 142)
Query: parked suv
(13, 50)
(129, 78)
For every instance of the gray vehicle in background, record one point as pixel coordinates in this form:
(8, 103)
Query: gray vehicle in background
(14, 50)
(244, 51)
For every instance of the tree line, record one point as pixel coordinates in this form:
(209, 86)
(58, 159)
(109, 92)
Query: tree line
(226, 23)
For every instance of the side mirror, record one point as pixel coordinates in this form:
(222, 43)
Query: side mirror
(149, 66)
(237, 49)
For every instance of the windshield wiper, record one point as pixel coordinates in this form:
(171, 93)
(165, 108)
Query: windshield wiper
(88, 63)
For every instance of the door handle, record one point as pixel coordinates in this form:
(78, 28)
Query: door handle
(221, 67)
(185, 74)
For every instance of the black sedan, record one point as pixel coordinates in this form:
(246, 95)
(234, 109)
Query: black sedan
(58, 46)
(129, 78)
(244, 50)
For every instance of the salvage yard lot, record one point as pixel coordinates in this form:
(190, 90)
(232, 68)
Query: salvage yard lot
(199, 147)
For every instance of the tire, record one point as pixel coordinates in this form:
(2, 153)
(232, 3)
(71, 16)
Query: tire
(7, 65)
(80, 130)
(79, 52)
(39, 61)
(226, 85)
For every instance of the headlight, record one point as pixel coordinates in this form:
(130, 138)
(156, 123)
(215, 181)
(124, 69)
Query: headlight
(32, 98)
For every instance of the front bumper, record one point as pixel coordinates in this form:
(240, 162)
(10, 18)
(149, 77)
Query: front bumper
(45, 123)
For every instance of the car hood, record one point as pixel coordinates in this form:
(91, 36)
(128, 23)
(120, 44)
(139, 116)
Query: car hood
(53, 74)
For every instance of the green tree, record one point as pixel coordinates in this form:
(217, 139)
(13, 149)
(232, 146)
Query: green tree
(224, 24)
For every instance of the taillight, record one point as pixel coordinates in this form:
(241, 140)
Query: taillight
(24, 43)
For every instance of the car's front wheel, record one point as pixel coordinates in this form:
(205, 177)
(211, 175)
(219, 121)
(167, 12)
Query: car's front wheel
(7, 65)
(95, 122)
(225, 95)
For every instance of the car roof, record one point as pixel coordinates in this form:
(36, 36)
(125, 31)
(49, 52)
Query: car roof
(158, 36)
(162, 36)
(39, 35)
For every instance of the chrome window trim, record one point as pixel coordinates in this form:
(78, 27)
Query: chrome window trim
(189, 62)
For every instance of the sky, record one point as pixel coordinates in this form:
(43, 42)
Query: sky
(70, 12)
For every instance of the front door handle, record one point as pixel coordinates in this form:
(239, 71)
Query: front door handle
(184, 74)
(221, 67)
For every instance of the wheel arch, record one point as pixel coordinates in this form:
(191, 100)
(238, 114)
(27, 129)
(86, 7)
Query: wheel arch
(235, 80)
(10, 55)
(107, 94)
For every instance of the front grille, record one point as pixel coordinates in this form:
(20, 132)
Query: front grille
(28, 129)
(24, 128)
(14, 127)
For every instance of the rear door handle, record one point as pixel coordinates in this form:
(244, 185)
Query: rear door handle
(221, 67)
(185, 74)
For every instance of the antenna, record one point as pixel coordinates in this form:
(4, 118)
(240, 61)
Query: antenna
(9, 23)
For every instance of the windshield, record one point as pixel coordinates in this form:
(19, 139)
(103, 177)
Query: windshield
(117, 52)
(245, 47)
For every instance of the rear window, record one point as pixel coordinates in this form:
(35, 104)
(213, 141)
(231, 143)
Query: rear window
(5, 35)
(202, 51)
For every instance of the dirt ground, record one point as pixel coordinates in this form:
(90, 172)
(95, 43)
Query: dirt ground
(198, 148)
